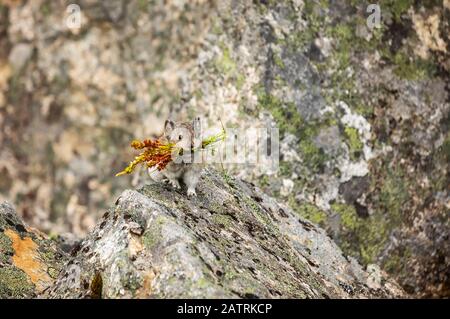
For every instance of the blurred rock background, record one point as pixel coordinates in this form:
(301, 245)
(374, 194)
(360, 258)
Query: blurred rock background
(363, 114)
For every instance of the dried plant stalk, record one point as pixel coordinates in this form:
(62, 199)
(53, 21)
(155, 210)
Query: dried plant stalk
(158, 154)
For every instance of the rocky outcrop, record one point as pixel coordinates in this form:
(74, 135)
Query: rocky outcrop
(29, 261)
(231, 241)
(363, 113)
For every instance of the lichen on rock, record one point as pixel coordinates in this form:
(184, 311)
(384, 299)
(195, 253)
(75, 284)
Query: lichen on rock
(230, 241)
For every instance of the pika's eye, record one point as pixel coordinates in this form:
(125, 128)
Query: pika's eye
(180, 137)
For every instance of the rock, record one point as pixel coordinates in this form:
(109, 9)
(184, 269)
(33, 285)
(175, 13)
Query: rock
(29, 262)
(19, 55)
(352, 104)
(230, 241)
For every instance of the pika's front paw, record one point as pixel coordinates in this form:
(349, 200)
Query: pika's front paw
(191, 192)
(174, 183)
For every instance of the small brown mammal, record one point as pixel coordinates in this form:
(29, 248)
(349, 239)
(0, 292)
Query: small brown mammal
(187, 167)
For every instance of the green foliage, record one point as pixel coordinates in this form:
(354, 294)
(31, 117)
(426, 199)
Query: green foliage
(227, 66)
(308, 211)
(396, 7)
(222, 219)
(285, 114)
(409, 69)
(225, 63)
(353, 141)
(14, 283)
(153, 235)
(6, 249)
(363, 238)
(446, 147)
(314, 157)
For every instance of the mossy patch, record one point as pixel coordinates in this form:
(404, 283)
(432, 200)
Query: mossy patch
(308, 211)
(278, 61)
(14, 283)
(285, 114)
(226, 66)
(153, 234)
(258, 213)
(412, 69)
(444, 150)
(315, 157)
(222, 219)
(354, 142)
(6, 250)
(393, 193)
(395, 263)
(347, 213)
(396, 7)
(45, 9)
(290, 121)
(363, 238)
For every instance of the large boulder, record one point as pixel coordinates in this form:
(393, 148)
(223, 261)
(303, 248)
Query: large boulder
(363, 113)
(230, 241)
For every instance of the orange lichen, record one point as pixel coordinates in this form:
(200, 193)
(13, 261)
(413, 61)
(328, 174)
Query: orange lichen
(26, 258)
(146, 290)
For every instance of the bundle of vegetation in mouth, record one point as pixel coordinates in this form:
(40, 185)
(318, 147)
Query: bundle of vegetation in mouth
(159, 154)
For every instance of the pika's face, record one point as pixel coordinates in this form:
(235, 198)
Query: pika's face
(179, 135)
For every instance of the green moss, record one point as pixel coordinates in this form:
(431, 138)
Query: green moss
(153, 234)
(222, 219)
(395, 263)
(228, 67)
(225, 63)
(393, 193)
(308, 211)
(216, 208)
(289, 120)
(446, 147)
(285, 114)
(45, 9)
(240, 81)
(229, 179)
(373, 237)
(47, 255)
(362, 238)
(347, 213)
(353, 141)
(264, 180)
(363, 109)
(314, 157)
(285, 168)
(278, 61)
(217, 28)
(202, 283)
(6, 249)
(409, 69)
(150, 240)
(254, 207)
(133, 283)
(14, 283)
(396, 7)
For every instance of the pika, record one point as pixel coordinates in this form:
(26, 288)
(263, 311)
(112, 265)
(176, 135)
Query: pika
(188, 166)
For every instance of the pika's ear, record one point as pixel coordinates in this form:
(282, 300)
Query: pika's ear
(168, 127)
(197, 125)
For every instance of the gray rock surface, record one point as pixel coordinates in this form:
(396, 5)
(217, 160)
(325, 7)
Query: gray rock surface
(231, 241)
(363, 114)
